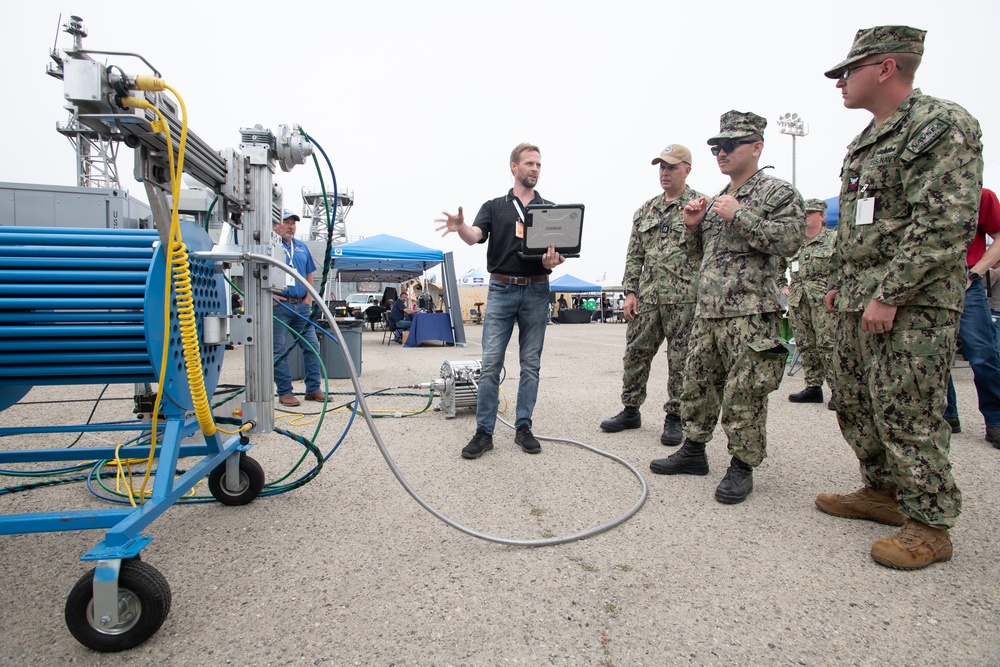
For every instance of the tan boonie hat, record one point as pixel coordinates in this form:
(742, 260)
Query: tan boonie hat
(737, 124)
(881, 39)
(673, 154)
(815, 205)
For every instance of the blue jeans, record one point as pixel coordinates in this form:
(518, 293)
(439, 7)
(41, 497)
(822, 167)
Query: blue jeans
(298, 321)
(528, 306)
(979, 347)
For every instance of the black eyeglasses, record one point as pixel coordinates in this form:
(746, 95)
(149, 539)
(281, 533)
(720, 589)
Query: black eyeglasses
(730, 146)
(846, 74)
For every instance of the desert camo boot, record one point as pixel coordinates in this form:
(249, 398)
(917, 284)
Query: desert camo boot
(630, 417)
(915, 546)
(690, 459)
(877, 505)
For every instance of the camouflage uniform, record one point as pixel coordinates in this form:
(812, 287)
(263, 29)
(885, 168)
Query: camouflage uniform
(663, 276)
(736, 356)
(811, 324)
(924, 168)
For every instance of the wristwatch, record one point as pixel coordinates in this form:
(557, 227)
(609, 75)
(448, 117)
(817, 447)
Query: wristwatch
(738, 214)
(973, 276)
(628, 291)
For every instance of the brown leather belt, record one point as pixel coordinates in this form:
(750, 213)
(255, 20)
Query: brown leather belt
(518, 280)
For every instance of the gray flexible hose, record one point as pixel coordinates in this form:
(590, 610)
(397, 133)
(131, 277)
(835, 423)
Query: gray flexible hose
(366, 413)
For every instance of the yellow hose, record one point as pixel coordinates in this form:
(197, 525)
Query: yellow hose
(179, 273)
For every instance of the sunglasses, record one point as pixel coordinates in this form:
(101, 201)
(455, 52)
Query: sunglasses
(848, 71)
(730, 146)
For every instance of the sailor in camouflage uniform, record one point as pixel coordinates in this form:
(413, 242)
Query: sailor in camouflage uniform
(811, 324)
(910, 189)
(662, 277)
(736, 356)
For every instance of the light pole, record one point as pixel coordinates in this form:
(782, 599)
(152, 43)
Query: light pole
(792, 124)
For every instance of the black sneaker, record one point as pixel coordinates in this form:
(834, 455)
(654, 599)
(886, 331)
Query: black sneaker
(993, 436)
(627, 418)
(481, 442)
(672, 434)
(736, 485)
(955, 424)
(527, 441)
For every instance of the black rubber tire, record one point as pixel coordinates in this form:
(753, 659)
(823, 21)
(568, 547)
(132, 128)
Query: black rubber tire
(143, 593)
(251, 482)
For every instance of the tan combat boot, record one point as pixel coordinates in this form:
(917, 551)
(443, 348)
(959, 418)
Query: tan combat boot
(916, 545)
(870, 504)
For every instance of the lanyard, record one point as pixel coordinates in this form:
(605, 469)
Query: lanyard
(290, 253)
(517, 205)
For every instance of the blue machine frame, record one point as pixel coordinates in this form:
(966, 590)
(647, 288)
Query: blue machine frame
(80, 327)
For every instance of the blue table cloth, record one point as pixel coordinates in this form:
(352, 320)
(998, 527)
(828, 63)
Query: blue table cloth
(429, 326)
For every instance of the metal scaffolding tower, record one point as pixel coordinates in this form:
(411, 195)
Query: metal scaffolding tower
(315, 208)
(95, 154)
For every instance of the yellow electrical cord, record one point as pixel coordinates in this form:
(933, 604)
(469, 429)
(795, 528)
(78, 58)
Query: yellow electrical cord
(178, 269)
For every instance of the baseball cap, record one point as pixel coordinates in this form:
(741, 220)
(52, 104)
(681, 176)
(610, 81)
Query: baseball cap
(289, 214)
(815, 205)
(880, 39)
(738, 124)
(673, 154)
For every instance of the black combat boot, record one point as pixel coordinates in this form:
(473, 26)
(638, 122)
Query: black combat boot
(807, 395)
(736, 485)
(673, 434)
(690, 459)
(627, 418)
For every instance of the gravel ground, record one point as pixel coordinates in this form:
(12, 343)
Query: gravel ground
(349, 570)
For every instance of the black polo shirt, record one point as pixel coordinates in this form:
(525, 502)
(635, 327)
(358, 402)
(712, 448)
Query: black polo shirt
(498, 219)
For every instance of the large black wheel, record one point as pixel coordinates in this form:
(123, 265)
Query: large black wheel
(143, 605)
(249, 486)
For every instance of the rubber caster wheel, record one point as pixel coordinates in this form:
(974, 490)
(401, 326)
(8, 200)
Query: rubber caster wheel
(249, 487)
(143, 605)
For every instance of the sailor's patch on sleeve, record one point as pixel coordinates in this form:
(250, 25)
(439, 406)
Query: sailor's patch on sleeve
(777, 197)
(928, 135)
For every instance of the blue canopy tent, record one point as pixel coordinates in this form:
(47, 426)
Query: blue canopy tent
(568, 283)
(383, 258)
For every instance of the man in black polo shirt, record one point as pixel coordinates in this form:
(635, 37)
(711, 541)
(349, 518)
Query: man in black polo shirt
(519, 292)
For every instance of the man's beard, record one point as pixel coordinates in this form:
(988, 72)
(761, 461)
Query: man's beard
(528, 181)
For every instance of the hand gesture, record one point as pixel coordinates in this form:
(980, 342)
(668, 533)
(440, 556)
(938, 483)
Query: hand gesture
(452, 223)
(694, 213)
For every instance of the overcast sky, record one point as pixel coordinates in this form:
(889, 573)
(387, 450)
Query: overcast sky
(419, 104)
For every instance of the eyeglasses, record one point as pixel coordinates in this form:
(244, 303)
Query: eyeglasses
(730, 146)
(846, 74)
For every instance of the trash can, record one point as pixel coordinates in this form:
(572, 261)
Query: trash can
(296, 363)
(333, 358)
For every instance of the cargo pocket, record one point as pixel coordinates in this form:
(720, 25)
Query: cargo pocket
(770, 355)
(923, 354)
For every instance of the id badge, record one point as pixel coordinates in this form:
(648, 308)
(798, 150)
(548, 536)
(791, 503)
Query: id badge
(864, 214)
(795, 266)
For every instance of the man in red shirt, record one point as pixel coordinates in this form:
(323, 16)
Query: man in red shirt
(976, 327)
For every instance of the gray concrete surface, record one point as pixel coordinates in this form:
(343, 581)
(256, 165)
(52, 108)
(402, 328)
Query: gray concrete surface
(349, 570)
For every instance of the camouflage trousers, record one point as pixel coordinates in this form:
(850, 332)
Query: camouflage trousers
(891, 392)
(645, 334)
(733, 364)
(813, 328)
